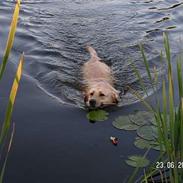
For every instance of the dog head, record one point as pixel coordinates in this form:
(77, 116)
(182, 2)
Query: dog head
(101, 96)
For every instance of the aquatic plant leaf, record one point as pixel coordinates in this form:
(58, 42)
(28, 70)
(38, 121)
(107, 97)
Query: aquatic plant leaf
(9, 110)
(124, 123)
(142, 117)
(142, 143)
(97, 115)
(10, 40)
(156, 146)
(146, 144)
(146, 132)
(137, 161)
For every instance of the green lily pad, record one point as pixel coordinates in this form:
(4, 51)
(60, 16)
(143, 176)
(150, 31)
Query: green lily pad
(137, 161)
(142, 143)
(124, 123)
(145, 144)
(146, 132)
(142, 117)
(156, 146)
(97, 115)
(153, 122)
(145, 124)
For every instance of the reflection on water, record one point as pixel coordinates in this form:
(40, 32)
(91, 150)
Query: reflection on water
(53, 35)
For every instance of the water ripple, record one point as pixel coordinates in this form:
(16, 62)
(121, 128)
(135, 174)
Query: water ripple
(53, 35)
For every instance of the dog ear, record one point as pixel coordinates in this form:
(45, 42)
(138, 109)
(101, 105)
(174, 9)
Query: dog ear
(115, 98)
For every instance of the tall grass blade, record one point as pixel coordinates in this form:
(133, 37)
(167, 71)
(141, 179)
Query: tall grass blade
(135, 93)
(153, 80)
(137, 73)
(155, 77)
(10, 40)
(161, 56)
(6, 157)
(181, 133)
(179, 120)
(146, 63)
(145, 177)
(167, 50)
(171, 104)
(179, 76)
(7, 122)
(173, 116)
(165, 113)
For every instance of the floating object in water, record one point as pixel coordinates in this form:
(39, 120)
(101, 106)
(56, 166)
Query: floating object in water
(114, 140)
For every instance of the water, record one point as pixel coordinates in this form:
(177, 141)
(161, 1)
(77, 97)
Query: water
(53, 139)
(53, 35)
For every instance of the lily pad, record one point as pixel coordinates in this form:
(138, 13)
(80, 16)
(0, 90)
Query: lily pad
(142, 143)
(142, 117)
(146, 132)
(97, 115)
(137, 161)
(124, 123)
(153, 122)
(156, 146)
(145, 144)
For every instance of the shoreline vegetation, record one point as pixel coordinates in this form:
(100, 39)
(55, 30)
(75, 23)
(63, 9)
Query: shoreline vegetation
(168, 123)
(8, 128)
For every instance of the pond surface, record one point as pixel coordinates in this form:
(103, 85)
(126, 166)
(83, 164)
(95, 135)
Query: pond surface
(53, 35)
(55, 142)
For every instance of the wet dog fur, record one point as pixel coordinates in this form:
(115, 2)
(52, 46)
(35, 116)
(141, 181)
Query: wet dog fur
(98, 82)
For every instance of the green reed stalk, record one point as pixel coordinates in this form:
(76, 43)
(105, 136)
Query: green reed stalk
(11, 37)
(7, 121)
(138, 75)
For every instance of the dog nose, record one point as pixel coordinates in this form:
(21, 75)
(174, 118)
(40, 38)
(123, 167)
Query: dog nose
(92, 102)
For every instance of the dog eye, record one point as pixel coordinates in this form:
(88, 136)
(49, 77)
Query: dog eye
(101, 95)
(91, 93)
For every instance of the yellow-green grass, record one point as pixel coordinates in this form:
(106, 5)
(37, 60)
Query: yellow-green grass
(6, 125)
(7, 121)
(11, 37)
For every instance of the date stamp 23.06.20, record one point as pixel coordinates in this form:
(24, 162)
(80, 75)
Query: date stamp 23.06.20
(160, 164)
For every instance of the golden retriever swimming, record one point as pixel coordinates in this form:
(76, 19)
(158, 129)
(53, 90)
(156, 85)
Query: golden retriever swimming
(99, 88)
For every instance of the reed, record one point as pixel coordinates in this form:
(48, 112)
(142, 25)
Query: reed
(169, 120)
(11, 37)
(6, 125)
